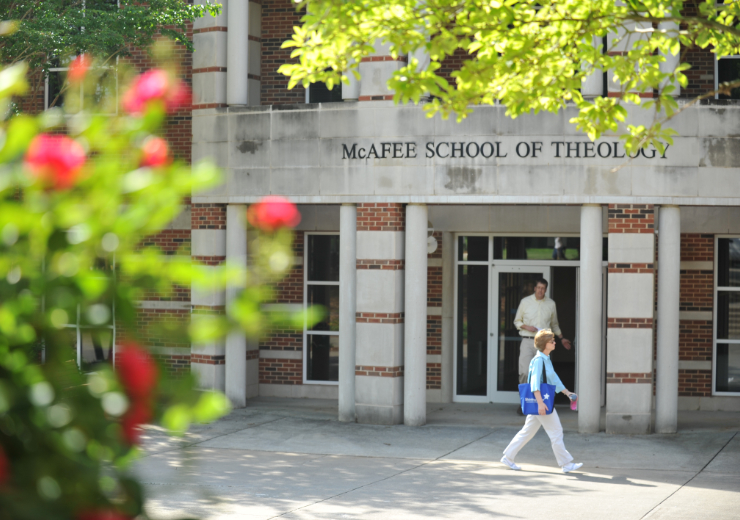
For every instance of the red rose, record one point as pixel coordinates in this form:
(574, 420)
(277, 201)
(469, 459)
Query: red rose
(273, 213)
(137, 371)
(139, 413)
(55, 159)
(78, 68)
(102, 514)
(155, 153)
(158, 86)
(4, 467)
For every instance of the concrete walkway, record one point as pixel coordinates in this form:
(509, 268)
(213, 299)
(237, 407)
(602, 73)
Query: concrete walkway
(291, 459)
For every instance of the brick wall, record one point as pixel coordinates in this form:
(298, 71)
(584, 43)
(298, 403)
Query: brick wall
(288, 290)
(278, 19)
(434, 321)
(380, 217)
(208, 216)
(631, 218)
(695, 336)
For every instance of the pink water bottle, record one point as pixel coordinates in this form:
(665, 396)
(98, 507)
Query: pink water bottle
(573, 402)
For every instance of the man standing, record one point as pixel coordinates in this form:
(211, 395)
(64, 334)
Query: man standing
(535, 312)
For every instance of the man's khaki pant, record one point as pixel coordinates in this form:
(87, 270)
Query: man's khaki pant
(527, 352)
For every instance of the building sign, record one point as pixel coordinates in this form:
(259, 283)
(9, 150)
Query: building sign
(496, 149)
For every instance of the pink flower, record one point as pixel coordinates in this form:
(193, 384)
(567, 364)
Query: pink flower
(272, 213)
(55, 159)
(155, 153)
(4, 467)
(78, 68)
(137, 371)
(156, 86)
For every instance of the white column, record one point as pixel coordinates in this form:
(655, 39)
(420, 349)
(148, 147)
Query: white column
(415, 317)
(347, 310)
(448, 306)
(589, 329)
(671, 60)
(669, 283)
(237, 52)
(236, 342)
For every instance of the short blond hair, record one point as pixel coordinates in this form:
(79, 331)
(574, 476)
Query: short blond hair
(542, 338)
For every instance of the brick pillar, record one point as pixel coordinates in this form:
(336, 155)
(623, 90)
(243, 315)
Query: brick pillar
(208, 223)
(209, 60)
(380, 283)
(630, 312)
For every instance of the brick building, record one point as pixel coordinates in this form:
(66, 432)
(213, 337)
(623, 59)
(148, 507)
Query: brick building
(421, 237)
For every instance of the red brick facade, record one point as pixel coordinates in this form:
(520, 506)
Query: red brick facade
(381, 217)
(631, 218)
(170, 241)
(697, 294)
(281, 371)
(208, 216)
(278, 19)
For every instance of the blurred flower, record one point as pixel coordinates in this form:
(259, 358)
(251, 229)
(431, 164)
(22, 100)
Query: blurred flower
(137, 371)
(138, 414)
(78, 68)
(156, 85)
(4, 467)
(55, 159)
(272, 213)
(102, 514)
(155, 153)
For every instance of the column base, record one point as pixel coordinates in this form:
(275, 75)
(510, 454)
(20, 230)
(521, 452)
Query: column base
(628, 424)
(385, 415)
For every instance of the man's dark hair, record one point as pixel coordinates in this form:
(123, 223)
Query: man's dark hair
(542, 281)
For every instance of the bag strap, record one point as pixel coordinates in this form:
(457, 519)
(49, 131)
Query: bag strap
(544, 373)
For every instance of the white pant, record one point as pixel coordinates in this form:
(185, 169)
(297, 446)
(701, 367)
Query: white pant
(527, 352)
(554, 430)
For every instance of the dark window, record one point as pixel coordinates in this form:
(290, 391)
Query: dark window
(728, 69)
(323, 258)
(328, 297)
(472, 249)
(472, 329)
(318, 93)
(728, 262)
(56, 82)
(541, 248)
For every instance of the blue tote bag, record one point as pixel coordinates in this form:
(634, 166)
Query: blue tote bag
(529, 403)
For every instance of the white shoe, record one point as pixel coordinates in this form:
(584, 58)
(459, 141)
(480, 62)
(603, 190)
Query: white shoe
(513, 466)
(572, 466)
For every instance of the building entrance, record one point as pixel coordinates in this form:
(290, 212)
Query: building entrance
(490, 284)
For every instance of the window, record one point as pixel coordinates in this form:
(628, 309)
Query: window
(93, 332)
(727, 69)
(105, 95)
(321, 287)
(727, 317)
(319, 93)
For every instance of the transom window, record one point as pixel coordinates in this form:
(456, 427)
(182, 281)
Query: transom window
(321, 287)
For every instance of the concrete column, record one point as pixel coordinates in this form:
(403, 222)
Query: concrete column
(236, 341)
(448, 309)
(347, 310)
(415, 314)
(669, 283)
(593, 84)
(237, 52)
(589, 333)
(671, 60)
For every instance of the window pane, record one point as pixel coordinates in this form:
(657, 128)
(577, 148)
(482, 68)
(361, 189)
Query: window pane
(728, 315)
(728, 368)
(97, 347)
(318, 93)
(472, 329)
(103, 99)
(56, 81)
(328, 297)
(728, 262)
(472, 249)
(323, 258)
(729, 70)
(323, 358)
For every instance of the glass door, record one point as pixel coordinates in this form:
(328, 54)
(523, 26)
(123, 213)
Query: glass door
(510, 284)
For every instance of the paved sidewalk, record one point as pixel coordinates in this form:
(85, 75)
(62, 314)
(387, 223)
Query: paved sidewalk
(291, 459)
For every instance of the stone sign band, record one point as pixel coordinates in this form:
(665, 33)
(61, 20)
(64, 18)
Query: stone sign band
(494, 149)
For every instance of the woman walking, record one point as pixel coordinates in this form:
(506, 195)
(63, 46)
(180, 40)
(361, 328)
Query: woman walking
(544, 341)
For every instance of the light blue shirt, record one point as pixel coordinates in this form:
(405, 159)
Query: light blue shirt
(535, 373)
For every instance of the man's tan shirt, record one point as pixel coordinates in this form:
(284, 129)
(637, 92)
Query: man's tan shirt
(537, 313)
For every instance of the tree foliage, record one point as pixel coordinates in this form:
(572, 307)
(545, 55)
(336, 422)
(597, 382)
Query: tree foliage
(49, 30)
(529, 55)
